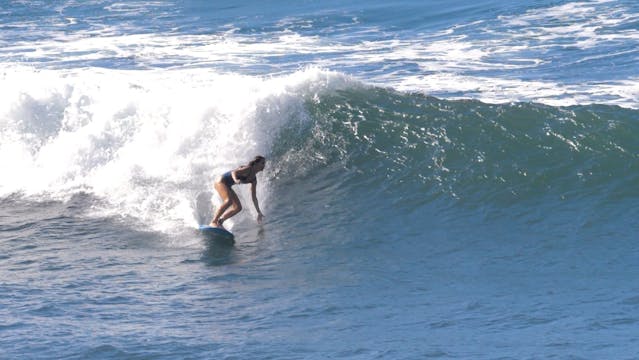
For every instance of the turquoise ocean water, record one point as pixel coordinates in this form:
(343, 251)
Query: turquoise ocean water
(446, 179)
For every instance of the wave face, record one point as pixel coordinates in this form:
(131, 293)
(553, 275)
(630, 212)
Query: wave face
(147, 145)
(456, 159)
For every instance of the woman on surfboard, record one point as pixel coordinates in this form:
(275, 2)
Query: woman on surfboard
(230, 202)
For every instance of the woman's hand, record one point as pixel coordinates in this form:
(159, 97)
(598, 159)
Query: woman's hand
(260, 218)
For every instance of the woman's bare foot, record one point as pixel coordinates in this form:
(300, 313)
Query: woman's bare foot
(218, 224)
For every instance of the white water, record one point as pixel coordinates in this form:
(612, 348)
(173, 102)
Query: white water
(147, 142)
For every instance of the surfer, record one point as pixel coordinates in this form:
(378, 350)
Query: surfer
(231, 205)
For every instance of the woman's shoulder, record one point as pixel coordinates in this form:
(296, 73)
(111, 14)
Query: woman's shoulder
(242, 168)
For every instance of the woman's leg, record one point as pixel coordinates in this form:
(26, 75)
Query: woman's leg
(224, 192)
(234, 208)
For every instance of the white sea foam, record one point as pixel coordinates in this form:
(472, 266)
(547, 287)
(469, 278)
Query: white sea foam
(145, 141)
(623, 93)
(578, 23)
(450, 63)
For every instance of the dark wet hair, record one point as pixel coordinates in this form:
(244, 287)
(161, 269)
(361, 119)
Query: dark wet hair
(257, 159)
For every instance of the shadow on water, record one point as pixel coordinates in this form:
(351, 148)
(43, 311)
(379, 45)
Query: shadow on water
(218, 251)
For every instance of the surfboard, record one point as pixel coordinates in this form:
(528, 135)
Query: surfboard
(216, 233)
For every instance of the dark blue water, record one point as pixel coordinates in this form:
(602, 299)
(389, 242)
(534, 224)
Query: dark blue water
(444, 180)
